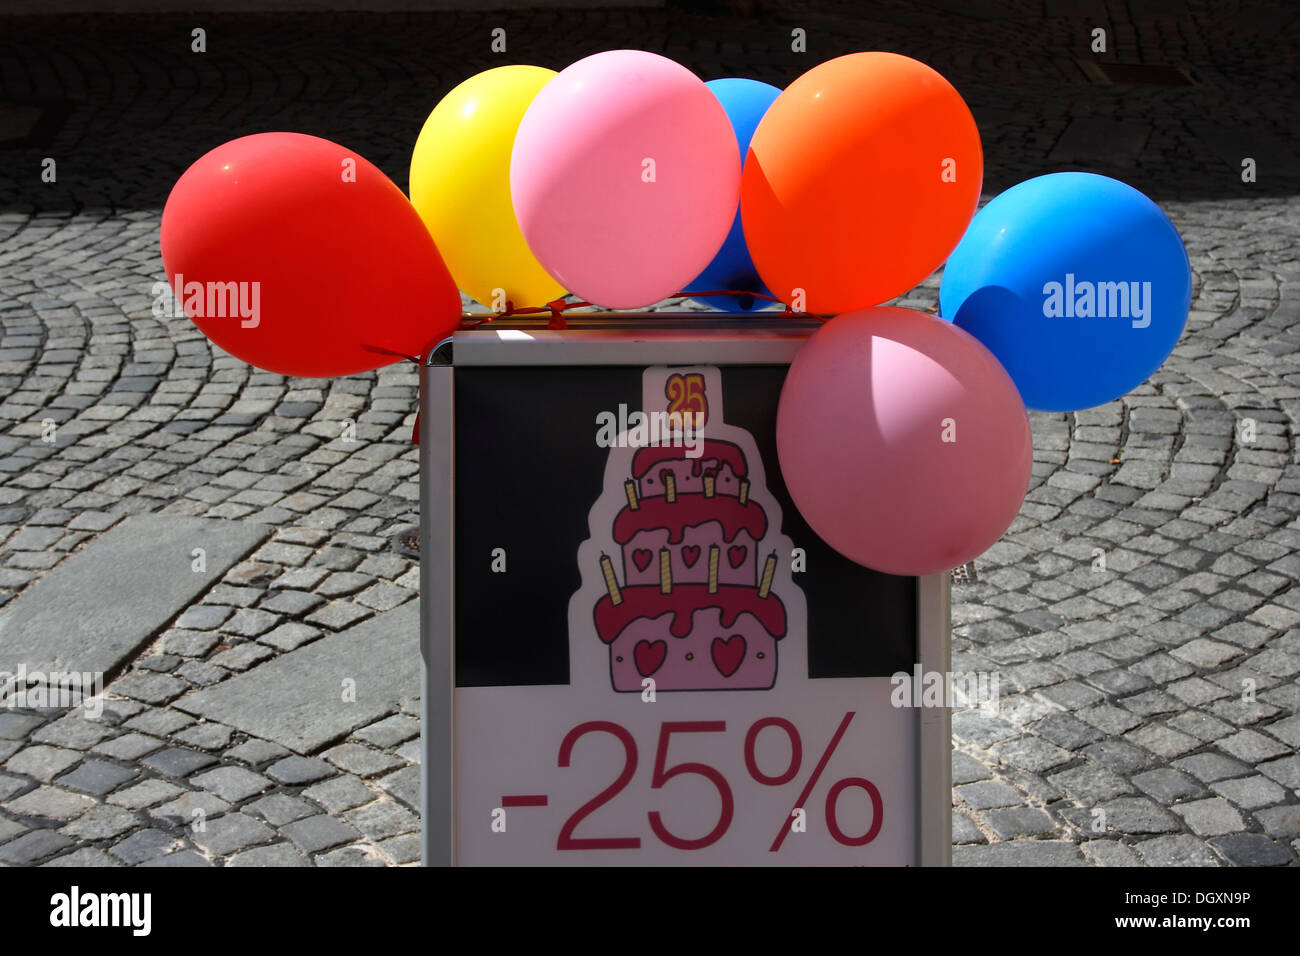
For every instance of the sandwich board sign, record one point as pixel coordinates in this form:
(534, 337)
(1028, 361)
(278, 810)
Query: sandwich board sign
(635, 651)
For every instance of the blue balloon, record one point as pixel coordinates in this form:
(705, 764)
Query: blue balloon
(745, 102)
(1078, 283)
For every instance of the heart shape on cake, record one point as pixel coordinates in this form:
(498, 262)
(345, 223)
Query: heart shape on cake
(649, 656)
(727, 654)
(641, 558)
(736, 554)
(691, 554)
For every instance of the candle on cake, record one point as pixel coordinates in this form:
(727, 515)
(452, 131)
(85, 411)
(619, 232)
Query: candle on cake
(611, 582)
(769, 571)
(665, 571)
(714, 554)
(710, 484)
(632, 501)
(744, 490)
(670, 487)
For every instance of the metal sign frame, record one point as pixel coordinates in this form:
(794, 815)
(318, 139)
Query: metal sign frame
(628, 339)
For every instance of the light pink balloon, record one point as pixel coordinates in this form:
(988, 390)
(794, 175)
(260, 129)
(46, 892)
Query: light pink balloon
(583, 154)
(861, 429)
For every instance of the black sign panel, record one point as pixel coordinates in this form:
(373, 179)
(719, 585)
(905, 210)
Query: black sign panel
(527, 471)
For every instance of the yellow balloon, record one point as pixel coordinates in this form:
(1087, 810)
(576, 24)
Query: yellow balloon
(460, 185)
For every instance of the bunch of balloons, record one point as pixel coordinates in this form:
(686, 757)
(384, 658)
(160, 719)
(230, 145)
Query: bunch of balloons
(625, 179)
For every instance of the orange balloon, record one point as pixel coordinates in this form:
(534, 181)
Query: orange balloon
(860, 180)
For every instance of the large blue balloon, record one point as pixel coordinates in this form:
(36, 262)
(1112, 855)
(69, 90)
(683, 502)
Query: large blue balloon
(745, 102)
(1078, 283)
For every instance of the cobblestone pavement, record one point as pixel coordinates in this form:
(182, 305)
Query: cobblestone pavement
(1142, 611)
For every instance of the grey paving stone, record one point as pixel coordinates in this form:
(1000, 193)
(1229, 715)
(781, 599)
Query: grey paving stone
(1205, 653)
(277, 854)
(278, 809)
(190, 809)
(1177, 850)
(241, 657)
(146, 793)
(340, 793)
(964, 830)
(1118, 756)
(401, 849)
(255, 752)
(360, 760)
(50, 803)
(350, 856)
(1281, 823)
(33, 846)
(1211, 766)
(296, 770)
(97, 777)
(1019, 853)
(73, 732)
(1032, 753)
(1137, 815)
(1285, 771)
(177, 762)
(144, 845)
(297, 699)
(101, 822)
(1091, 783)
(10, 829)
(290, 635)
(965, 768)
(988, 795)
(1252, 747)
(321, 832)
(400, 728)
(187, 858)
(231, 833)
(159, 722)
(85, 857)
(149, 688)
(1109, 853)
(1067, 731)
(403, 784)
(1253, 849)
(1212, 817)
(231, 783)
(1249, 792)
(1167, 785)
(204, 736)
(14, 726)
(90, 614)
(190, 643)
(43, 763)
(203, 617)
(1019, 822)
(383, 819)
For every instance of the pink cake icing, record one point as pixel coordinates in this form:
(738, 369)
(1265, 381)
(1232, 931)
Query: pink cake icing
(691, 638)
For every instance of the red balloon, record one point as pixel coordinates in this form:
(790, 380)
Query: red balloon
(301, 257)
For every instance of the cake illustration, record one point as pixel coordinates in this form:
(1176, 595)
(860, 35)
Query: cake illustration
(689, 598)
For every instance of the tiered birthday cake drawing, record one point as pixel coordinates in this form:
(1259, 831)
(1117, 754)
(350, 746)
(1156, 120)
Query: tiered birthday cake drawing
(689, 600)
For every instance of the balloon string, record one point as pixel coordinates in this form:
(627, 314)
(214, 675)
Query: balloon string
(384, 351)
(557, 308)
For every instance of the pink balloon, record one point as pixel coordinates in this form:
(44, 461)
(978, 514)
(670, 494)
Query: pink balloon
(625, 177)
(903, 441)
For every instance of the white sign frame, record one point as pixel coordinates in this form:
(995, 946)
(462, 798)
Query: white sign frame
(638, 339)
